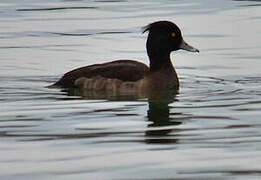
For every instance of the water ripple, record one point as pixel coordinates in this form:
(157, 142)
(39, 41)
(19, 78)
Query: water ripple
(57, 8)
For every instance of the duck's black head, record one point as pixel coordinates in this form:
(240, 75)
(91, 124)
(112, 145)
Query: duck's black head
(165, 37)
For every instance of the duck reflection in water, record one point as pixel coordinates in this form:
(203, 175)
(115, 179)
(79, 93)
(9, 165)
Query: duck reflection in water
(158, 114)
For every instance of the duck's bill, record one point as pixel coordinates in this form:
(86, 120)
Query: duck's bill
(187, 47)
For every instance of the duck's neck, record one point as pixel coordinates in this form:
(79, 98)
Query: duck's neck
(160, 61)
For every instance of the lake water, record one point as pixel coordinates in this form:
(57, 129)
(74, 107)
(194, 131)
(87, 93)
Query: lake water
(211, 129)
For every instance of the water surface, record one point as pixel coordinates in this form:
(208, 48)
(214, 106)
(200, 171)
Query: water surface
(210, 129)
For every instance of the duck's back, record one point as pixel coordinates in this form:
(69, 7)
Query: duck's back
(124, 70)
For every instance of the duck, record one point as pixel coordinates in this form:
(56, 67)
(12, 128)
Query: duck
(163, 38)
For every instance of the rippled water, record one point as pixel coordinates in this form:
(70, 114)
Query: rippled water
(210, 129)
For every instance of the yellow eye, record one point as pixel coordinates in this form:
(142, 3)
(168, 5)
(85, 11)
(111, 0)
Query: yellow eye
(173, 34)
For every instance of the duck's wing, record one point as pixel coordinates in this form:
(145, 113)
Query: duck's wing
(124, 70)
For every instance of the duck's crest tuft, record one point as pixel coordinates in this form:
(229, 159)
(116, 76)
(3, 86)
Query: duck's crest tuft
(158, 24)
(146, 28)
